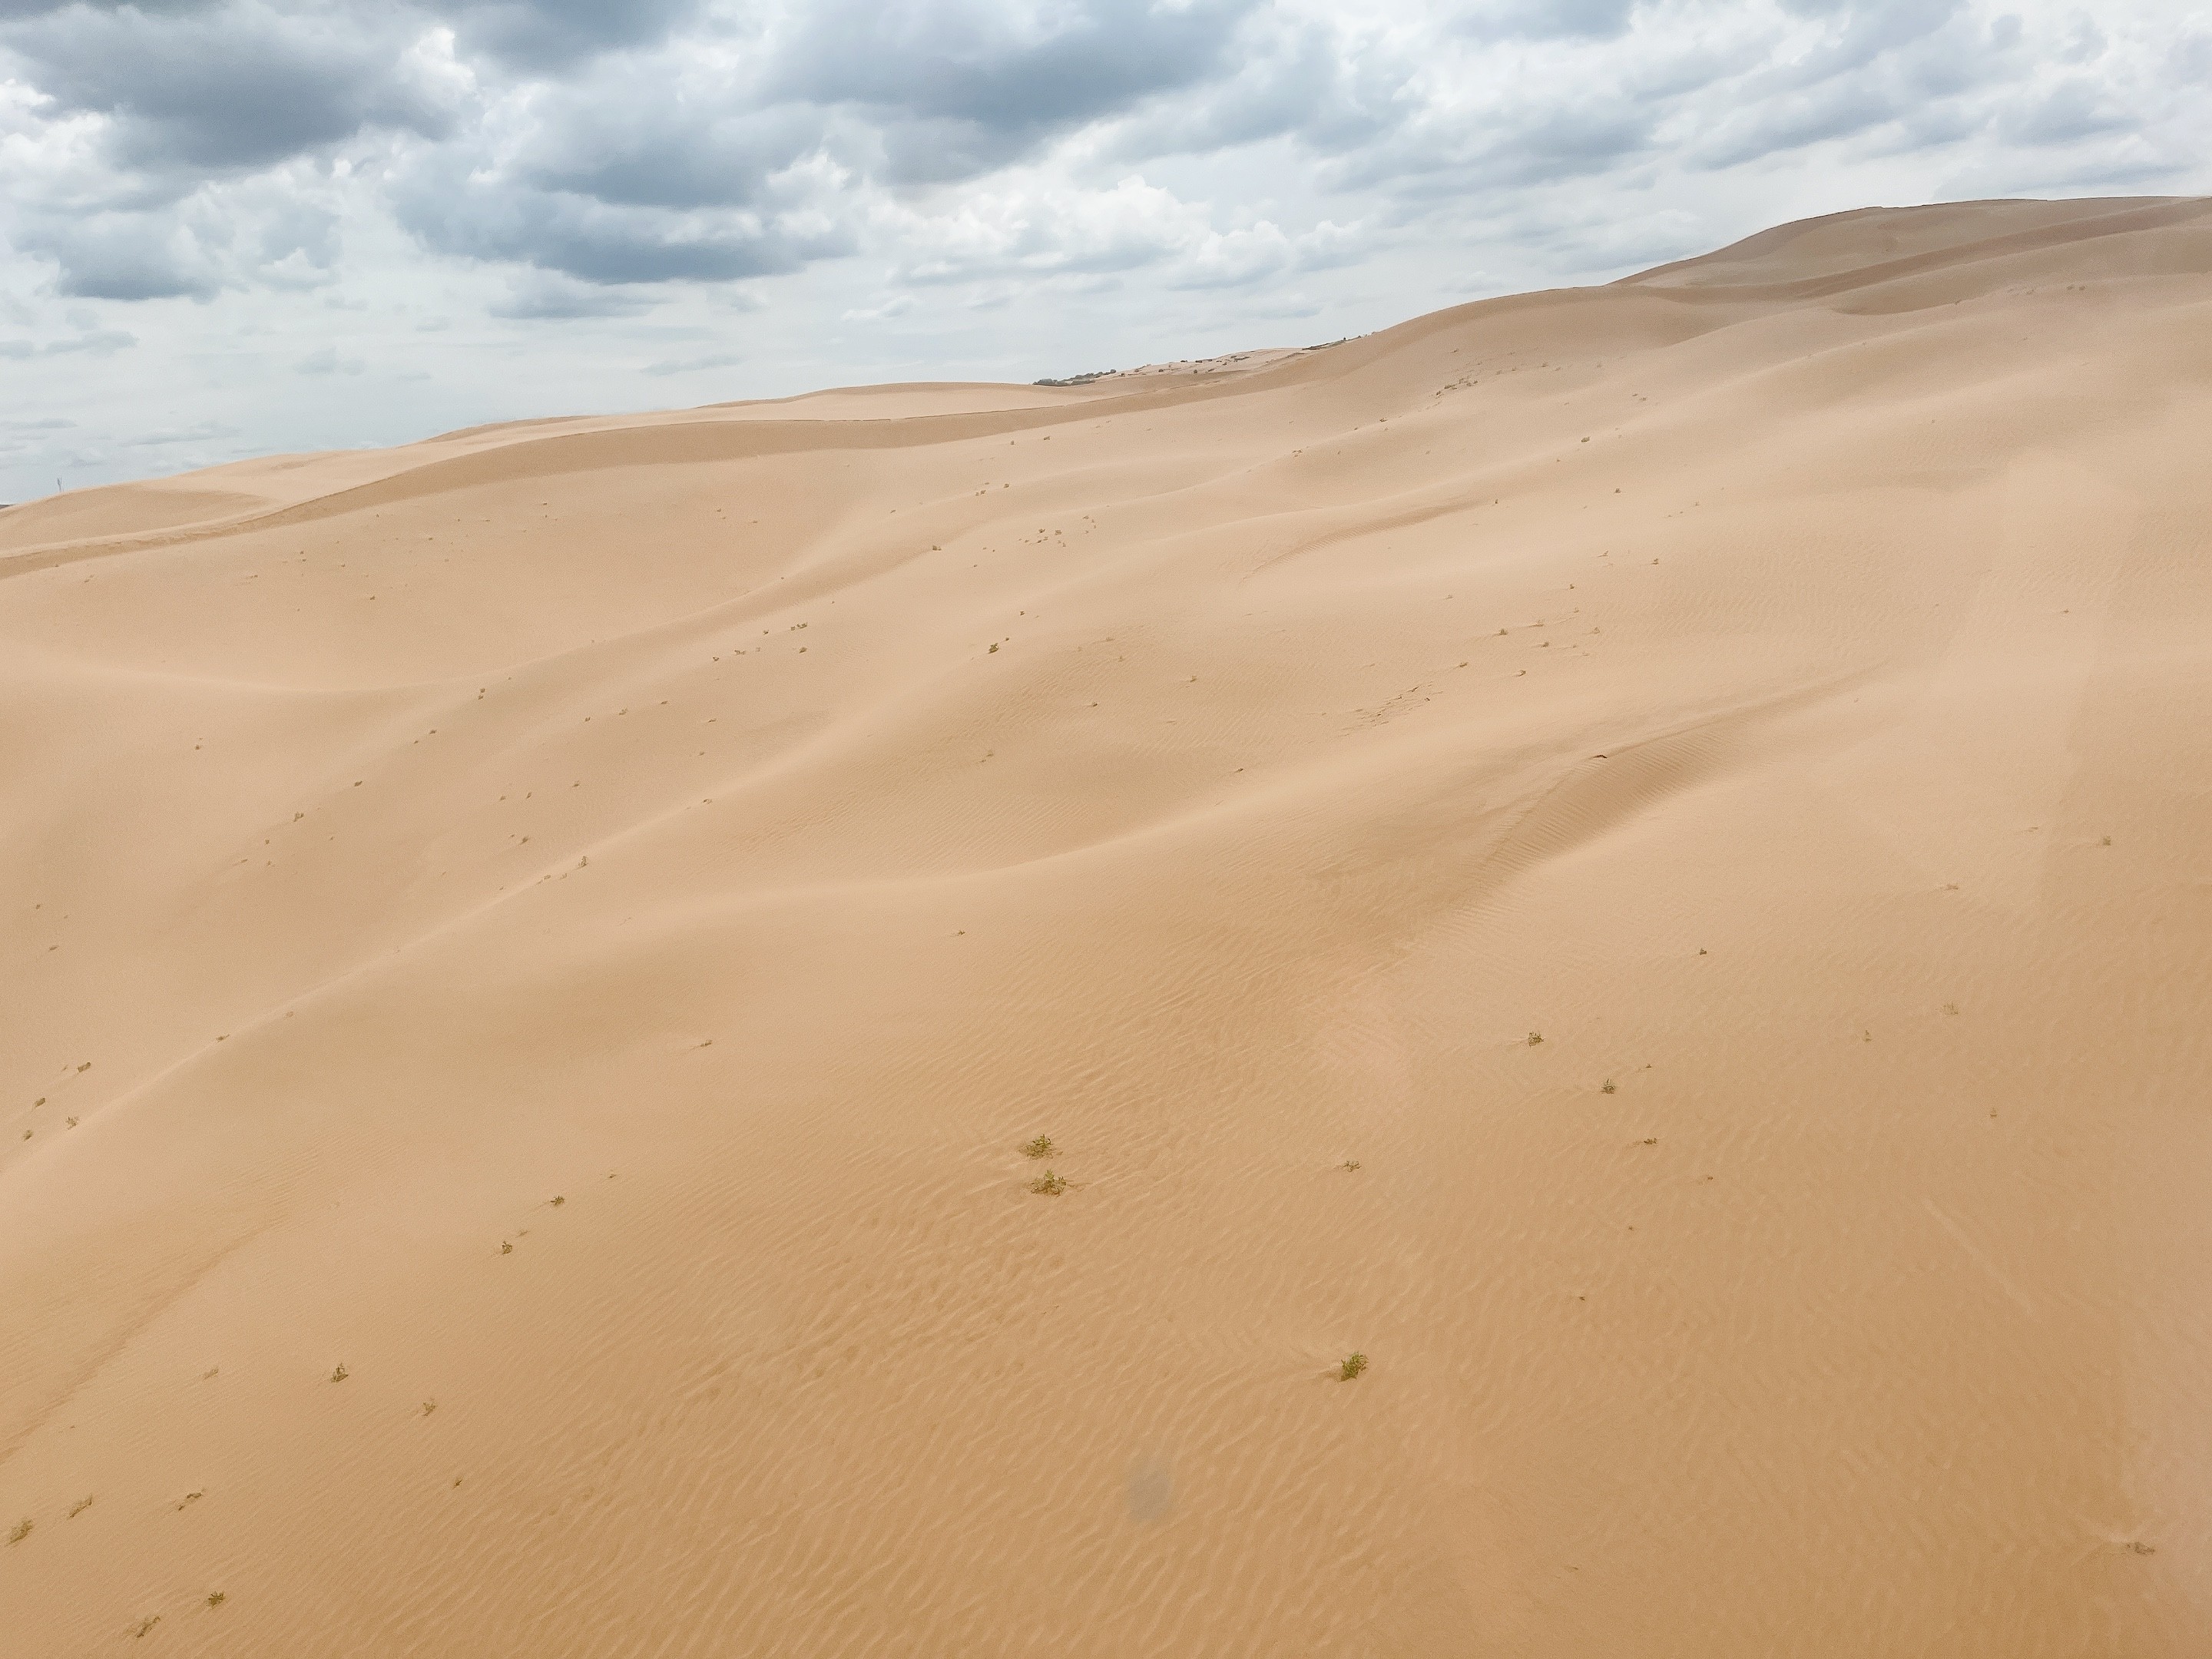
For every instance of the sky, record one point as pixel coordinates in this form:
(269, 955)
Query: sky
(236, 228)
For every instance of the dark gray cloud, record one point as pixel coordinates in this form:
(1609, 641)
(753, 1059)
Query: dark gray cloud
(193, 89)
(554, 34)
(597, 241)
(959, 87)
(603, 154)
(1543, 20)
(645, 169)
(628, 145)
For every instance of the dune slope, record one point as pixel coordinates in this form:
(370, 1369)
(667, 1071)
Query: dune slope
(1636, 855)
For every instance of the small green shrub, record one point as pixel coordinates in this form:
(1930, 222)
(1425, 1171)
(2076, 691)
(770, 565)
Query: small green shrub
(340, 1374)
(1051, 1185)
(1353, 1365)
(1041, 1147)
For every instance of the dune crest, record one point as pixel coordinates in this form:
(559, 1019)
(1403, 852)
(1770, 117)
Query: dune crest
(1632, 857)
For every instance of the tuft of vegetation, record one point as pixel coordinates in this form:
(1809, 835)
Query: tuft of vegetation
(1353, 1363)
(1041, 1147)
(340, 1374)
(1349, 1163)
(558, 1201)
(81, 1505)
(1534, 1037)
(217, 1598)
(147, 1625)
(1606, 1088)
(21, 1531)
(1051, 1185)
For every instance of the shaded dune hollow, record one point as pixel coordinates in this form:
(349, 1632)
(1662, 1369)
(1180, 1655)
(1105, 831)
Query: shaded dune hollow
(1639, 856)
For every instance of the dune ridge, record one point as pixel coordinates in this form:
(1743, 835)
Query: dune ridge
(1635, 855)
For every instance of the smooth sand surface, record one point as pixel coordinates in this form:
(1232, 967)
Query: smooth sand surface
(574, 923)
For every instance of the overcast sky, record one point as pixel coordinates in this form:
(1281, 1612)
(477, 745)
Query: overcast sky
(234, 226)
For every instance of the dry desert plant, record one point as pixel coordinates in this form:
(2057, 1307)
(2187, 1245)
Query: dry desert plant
(1353, 1363)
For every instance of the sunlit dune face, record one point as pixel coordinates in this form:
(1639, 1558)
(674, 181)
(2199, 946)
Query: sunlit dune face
(1533, 984)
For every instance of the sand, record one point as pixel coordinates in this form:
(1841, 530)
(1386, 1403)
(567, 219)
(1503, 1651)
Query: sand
(530, 960)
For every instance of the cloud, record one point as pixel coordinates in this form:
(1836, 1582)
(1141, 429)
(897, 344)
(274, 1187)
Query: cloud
(692, 365)
(128, 256)
(202, 87)
(325, 360)
(103, 342)
(604, 242)
(2075, 109)
(1548, 19)
(1022, 181)
(547, 35)
(1031, 231)
(538, 296)
(199, 432)
(184, 148)
(959, 87)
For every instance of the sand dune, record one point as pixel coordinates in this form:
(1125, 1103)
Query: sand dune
(574, 923)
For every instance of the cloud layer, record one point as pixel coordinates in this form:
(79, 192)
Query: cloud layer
(421, 195)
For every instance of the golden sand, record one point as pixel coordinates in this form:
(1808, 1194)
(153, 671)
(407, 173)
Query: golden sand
(532, 958)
